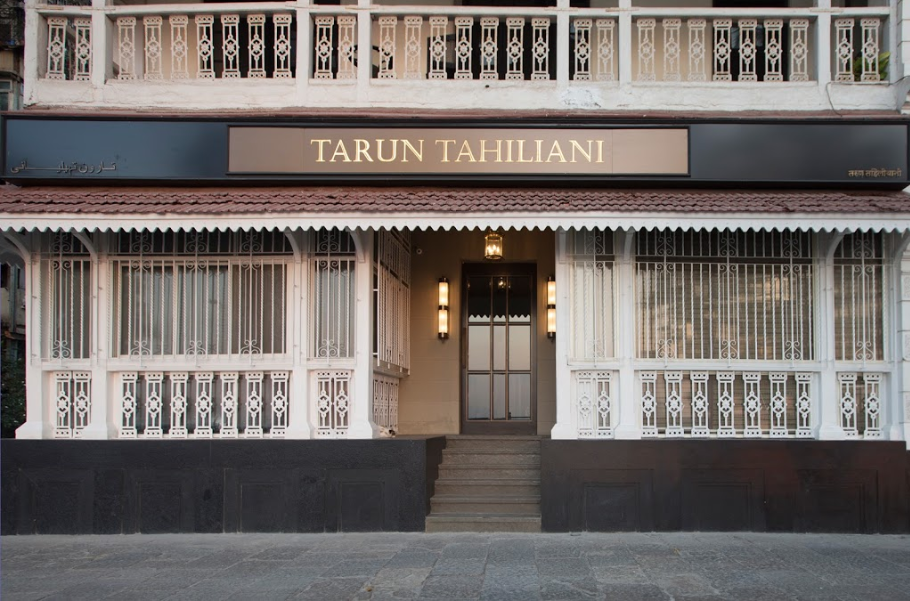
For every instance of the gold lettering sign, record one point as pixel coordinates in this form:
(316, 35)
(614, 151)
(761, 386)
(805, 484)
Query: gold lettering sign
(404, 151)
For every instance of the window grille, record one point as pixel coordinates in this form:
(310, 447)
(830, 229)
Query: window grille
(860, 298)
(332, 294)
(725, 295)
(591, 294)
(65, 298)
(187, 294)
(392, 295)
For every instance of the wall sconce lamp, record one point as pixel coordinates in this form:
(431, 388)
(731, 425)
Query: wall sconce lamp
(551, 307)
(492, 250)
(443, 319)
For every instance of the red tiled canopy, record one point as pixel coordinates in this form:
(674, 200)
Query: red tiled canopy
(214, 201)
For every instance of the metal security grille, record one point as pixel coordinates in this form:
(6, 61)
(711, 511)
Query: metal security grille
(65, 297)
(200, 294)
(725, 295)
(860, 285)
(332, 264)
(591, 295)
(392, 294)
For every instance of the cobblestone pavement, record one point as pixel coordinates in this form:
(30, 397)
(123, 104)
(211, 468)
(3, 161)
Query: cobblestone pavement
(626, 567)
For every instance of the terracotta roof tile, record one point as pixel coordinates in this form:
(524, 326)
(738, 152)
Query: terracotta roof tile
(243, 201)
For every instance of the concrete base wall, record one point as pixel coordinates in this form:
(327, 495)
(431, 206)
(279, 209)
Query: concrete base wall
(124, 487)
(710, 485)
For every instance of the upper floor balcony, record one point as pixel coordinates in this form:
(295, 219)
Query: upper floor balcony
(641, 55)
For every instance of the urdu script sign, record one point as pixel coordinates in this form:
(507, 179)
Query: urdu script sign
(441, 151)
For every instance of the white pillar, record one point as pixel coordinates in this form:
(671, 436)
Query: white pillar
(827, 395)
(37, 420)
(361, 425)
(304, 51)
(566, 414)
(102, 47)
(900, 412)
(35, 48)
(100, 425)
(625, 46)
(824, 48)
(563, 43)
(299, 425)
(626, 399)
(364, 50)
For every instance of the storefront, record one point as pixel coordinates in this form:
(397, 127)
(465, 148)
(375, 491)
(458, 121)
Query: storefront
(734, 289)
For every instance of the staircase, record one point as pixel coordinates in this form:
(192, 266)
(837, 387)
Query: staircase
(487, 484)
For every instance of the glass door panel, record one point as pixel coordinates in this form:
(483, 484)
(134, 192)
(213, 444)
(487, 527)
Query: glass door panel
(498, 362)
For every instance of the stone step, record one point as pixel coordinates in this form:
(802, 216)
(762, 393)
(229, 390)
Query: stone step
(523, 505)
(505, 444)
(452, 457)
(488, 487)
(482, 523)
(472, 472)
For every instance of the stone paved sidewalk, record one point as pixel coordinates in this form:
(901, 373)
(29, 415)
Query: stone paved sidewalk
(626, 567)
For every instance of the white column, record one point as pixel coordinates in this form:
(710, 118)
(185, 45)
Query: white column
(100, 425)
(625, 42)
(627, 401)
(361, 425)
(35, 48)
(299, 303)
(900, 412)
(566, 414)
(824, 49)
(903, 30)
(364, 50)
(304, 51)
(827, 397)
(102, 46)
(563, 43)
(38, 423)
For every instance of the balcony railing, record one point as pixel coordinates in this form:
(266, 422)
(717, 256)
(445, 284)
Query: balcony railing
(319, 46)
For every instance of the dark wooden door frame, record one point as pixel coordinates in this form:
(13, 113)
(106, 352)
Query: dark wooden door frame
(491, 426)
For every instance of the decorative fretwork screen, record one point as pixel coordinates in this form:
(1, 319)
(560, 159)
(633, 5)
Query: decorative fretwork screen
(333, 403)
(332, 260)
(392, 292)
(860, 288)
(65, 297)
(591, 294)
(202, 404)
(199, 294)
(725, 295)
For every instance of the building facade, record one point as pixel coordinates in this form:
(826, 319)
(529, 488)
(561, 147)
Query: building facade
(669, 240)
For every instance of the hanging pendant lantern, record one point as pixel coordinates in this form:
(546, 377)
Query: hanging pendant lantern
(492, 246)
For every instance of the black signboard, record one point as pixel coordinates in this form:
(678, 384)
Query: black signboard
(732, 152)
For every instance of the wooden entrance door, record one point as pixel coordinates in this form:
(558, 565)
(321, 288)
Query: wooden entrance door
(498, 324)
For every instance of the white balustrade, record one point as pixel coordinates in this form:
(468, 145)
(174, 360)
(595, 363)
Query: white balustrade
(247, 40)
(385, 402)
(726, 404)
(594, 402)
(333, 403)
(748, 49)
(173, 405)
(860, 404)
(852, 62)
(72, 403)
(183, 46)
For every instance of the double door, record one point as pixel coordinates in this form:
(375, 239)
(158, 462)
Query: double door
(498, 354)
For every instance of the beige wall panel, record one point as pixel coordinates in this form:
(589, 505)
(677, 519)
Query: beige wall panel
(429, 399)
